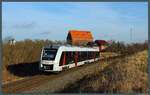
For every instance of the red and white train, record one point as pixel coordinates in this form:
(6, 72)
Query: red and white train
(58, 57)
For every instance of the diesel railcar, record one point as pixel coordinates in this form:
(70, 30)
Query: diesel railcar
(59, 57)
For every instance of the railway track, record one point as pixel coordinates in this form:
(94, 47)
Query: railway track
(50, 83)
(27, 83)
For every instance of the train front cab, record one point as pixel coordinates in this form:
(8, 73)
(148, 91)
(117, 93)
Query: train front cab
(48, 60)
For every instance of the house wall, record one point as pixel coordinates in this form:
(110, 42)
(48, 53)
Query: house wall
(80, 41)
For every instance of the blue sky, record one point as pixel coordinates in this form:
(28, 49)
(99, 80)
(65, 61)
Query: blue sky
(53, 20)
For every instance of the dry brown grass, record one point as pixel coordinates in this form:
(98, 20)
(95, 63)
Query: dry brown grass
(122, 76)
(108, 54)
(140, 60)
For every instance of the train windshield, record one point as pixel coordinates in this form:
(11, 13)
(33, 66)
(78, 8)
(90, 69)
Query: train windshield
(49, 54)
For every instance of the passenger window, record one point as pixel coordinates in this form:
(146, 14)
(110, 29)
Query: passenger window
(61, 59)
(67, 58)
(72, 57)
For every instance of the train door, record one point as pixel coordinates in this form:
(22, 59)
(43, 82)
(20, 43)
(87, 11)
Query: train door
(94, 55)
(76, 58)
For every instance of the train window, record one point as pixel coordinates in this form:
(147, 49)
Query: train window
(92, 55)
(61, 59)
(89, 55)
(79, 56)
(49, 54)
(82, 56)
(85, 55)
(97, 54)
(72, 57)
(67, 58)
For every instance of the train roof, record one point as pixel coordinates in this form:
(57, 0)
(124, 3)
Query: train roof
(67, 46)
(52, 46)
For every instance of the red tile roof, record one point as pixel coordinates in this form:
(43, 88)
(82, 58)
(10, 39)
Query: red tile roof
(101, 41)
(80, 34)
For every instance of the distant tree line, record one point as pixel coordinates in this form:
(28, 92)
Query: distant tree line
(6, 40)
(126, 49)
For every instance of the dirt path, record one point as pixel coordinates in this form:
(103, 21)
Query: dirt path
(49, 83)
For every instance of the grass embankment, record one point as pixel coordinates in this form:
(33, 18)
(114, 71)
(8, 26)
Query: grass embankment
(18, 59)
(108, 54)
(125, 75)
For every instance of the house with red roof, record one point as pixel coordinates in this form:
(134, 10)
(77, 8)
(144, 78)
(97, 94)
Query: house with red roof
(76, 37)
